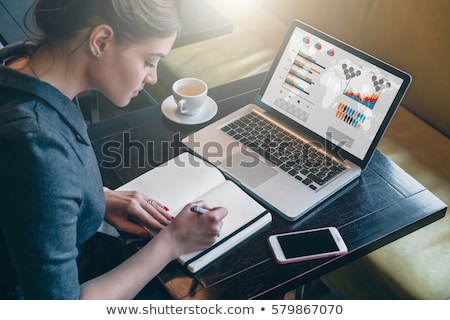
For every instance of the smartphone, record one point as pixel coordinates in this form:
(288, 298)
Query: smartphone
(307, 245)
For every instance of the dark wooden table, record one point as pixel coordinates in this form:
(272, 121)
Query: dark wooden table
(200, 21)
(383, 205)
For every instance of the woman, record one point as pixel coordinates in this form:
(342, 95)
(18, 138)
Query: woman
(52, 200)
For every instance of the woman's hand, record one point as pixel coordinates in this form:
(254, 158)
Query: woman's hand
(191, 231)
(123, 206)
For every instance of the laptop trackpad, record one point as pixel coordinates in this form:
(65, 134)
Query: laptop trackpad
(248, 169)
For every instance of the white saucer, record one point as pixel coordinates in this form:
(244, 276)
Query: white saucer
(170, 110)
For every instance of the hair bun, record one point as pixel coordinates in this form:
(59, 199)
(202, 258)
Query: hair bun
(131, 19)
(58, 18)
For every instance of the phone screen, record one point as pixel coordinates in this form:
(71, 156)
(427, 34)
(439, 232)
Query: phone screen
(306, 244)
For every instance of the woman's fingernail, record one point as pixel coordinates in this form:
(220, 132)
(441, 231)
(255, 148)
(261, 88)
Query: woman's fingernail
(167, 209)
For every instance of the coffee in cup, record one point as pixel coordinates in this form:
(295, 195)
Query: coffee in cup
(189, 95)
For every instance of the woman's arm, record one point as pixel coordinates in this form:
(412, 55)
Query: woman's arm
(189, 232)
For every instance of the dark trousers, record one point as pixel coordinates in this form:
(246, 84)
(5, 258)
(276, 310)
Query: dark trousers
(103, 252)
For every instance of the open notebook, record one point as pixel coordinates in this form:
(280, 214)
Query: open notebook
(187, 178)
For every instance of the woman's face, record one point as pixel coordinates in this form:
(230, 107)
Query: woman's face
(121, 72)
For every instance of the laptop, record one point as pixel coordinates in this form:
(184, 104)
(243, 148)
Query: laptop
(313, 126)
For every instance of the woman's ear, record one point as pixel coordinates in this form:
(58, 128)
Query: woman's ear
(101, 38)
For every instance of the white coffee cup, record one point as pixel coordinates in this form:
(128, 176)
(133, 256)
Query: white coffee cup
(190, 95)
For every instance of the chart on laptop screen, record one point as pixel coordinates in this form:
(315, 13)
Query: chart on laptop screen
(331, 92)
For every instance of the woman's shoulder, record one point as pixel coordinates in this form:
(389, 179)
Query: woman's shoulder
(25, 127)
(17, 115)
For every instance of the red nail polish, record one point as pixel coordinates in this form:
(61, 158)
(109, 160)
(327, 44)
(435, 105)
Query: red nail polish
(167, 209)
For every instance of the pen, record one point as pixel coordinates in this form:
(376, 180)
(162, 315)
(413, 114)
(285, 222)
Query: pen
(199, 210)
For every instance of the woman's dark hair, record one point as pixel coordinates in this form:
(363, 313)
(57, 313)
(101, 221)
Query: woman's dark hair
(131, 20)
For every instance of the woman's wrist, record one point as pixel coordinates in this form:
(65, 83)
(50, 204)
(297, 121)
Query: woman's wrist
(171, 245)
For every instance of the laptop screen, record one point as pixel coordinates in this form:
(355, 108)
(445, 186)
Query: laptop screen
(333, 90)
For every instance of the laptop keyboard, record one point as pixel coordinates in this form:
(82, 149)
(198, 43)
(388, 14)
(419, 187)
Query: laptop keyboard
(301, 160)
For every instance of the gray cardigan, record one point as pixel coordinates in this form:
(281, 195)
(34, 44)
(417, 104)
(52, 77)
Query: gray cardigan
(51, 197)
